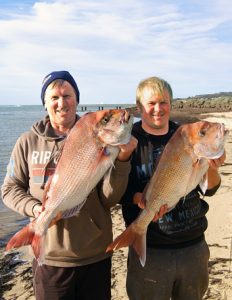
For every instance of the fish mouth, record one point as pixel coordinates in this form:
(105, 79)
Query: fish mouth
(126, 121)
(216, 150)
(125, 117)
(203, 151)
(215, 155)
(223, 132)
(124, 140)
(115, 128)
(134, 111)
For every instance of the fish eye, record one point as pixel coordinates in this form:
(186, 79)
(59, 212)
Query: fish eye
(105, 120)
(201, 133)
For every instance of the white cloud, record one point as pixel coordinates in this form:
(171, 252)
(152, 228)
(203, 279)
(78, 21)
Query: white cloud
(111, 45)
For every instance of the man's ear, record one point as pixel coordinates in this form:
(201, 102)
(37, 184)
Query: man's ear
(139, 107)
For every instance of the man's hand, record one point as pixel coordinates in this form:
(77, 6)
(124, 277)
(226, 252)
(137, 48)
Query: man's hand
(37, 209)
(127, 149)
(213, 175)
(138, 199)
(216, 163)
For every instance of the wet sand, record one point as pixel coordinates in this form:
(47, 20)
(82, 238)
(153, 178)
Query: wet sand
(16, 278)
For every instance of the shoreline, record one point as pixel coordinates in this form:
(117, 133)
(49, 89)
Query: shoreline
(16, 275)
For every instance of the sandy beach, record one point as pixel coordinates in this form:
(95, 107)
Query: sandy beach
(16, 278)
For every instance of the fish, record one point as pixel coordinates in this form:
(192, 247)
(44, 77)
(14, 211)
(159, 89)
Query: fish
(182, 166)
(89, 151)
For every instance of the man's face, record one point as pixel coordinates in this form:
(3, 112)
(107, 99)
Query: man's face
(61, 105)
(155, 109)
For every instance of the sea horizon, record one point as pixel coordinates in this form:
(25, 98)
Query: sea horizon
(80, 108)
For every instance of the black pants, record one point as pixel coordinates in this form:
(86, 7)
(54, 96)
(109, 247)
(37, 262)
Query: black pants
(80, 283)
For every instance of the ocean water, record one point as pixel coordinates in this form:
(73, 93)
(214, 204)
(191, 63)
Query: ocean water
(14, 120)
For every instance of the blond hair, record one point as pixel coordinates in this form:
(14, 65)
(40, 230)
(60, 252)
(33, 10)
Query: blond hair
(156, 84)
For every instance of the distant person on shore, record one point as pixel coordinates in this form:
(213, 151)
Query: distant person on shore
(76, 265)
(177, 253)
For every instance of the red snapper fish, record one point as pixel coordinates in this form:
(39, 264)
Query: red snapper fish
(182, 166)
(89, 151)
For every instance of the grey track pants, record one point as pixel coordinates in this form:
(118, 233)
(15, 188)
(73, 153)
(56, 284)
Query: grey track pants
(176, 274)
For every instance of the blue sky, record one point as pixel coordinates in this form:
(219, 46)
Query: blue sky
(110, 45)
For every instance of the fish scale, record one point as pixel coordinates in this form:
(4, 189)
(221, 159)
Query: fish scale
(181, 167)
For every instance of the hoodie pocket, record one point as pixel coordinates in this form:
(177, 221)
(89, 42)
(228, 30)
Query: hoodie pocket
(76, 237)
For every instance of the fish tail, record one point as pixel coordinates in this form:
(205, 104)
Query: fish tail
(131, 237)
(27, 236)
(22, 238)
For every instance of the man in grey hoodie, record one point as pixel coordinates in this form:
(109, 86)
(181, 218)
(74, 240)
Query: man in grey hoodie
(76, 265)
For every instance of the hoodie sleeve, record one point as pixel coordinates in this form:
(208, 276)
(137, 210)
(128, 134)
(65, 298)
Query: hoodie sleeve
(15, 189)
(130, 210)
(114, 183)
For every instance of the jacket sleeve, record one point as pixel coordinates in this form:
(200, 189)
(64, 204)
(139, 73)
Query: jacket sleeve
(114, 183)
(15, 189)
(212, 191)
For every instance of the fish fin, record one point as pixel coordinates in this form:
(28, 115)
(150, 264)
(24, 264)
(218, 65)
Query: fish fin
(103, 153)
(57, 154)
(204, 183)
(73, 211)
(130, 237)
(107, 175)
(38, 248)
(22, 238)
(26, 236)
(46, 191)
(193, 174)
(56, 218)
(140, 248)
